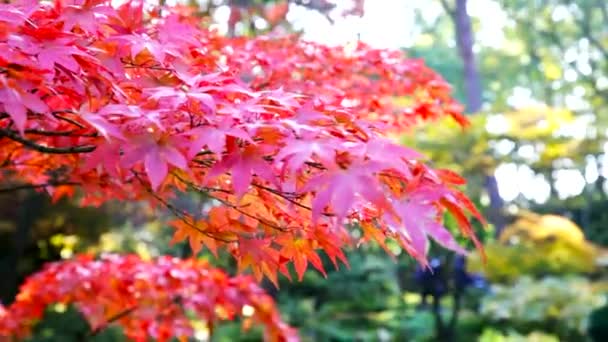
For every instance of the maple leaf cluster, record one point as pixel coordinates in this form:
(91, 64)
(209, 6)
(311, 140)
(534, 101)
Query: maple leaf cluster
(148, 299)
(363, 80)
(286, 137)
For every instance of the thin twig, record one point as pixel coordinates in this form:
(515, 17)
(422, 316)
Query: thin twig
(185, 217)
(229, 204)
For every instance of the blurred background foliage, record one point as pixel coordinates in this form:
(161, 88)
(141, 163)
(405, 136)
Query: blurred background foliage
(538, 245)
(534, 156)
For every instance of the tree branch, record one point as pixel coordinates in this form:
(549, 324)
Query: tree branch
(13, 135)
(73, 122)
(229, 204)
(436, 310)
(71, 133)
(34, 186)
(185, 217)
(113, 319)
(449, 9)
(317, 5)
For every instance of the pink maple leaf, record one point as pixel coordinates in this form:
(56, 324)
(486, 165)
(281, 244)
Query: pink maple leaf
(17, 103)
(99, 122)
(214, 138)
(157, 155)
(105, 155)
(342, 189)
(297, 152)
(11, 14)
(60, 52)
(136, 43)
(243, 164)
(178, 97)
(137, 113)
(173, 31)
(88, 16)
(419, 220)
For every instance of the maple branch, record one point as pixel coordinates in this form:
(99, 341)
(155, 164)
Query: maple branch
(185, 217)
(273, 191)
(205, 163)
(35, 186)
(57, 115)
(311, 164)
(7, 161)
(113, 319)
(13, 135)
(263, 221)
(73, 122)
(71, 133)
(205, 152)
(285, 197)
(130, 65)
(228, 203)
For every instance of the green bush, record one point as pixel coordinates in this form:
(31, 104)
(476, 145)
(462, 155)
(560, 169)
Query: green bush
(537, 245)
(491, 335)
(61, 324)
(560, 306)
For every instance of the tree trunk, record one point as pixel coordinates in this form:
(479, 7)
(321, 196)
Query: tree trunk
(465, 41)
(474, 93)
(496, 215)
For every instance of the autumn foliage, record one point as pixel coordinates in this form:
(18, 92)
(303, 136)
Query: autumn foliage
(285, 137)
(148, 299)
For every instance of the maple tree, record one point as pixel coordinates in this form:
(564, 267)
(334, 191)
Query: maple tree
(147, 298)
(287, 137)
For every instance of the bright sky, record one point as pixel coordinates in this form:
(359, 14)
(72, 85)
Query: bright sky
(386, 24)
(390, 23)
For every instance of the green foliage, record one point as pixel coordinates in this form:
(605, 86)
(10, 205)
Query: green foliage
(491, 335)
(588, 210)
(557, 305)
(34, 231)
(419, 327)
(598, 324)
(351, 304)
(507, 263)
(537, 245)
(62, 324)
(233, 332)
(67, 324)
(547, 30)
